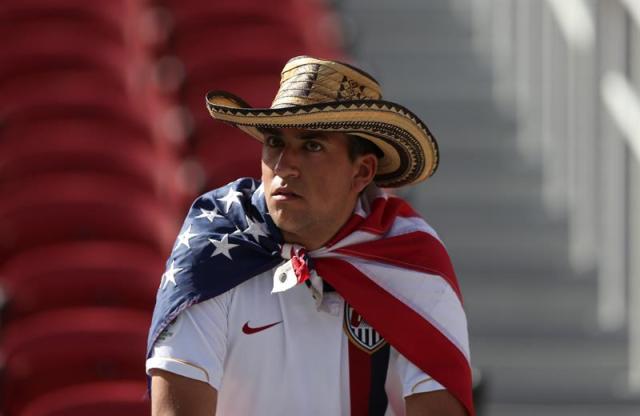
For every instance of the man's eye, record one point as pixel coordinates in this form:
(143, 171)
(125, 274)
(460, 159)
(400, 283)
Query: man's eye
(272, 141)
(313, 146)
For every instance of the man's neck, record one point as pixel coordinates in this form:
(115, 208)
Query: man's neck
(313, 239)
(312, 242)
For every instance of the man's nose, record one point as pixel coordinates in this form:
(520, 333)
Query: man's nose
(288, 163)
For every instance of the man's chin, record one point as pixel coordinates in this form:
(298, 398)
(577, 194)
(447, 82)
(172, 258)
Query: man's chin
(288, 223)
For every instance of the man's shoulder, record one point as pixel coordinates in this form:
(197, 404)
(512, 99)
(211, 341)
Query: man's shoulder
(245, 186)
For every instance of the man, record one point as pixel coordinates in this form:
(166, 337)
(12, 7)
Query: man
(314, 292)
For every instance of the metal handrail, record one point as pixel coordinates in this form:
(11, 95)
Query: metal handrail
(575, 21)
(623, 104)
(633, 7)
(592, 34)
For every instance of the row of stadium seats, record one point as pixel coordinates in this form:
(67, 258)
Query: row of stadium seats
(51, 353)
(104, 138)
(88, 206)
(240, 47)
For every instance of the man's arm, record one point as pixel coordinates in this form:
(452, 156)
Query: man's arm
(434, 403)
(175, 395)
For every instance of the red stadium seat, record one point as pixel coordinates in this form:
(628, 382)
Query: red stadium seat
(121, 398)
(40, 152)
(186, 10)
(67, 207)
(251, 42)
(78, 103)
(68, 347)
(311, 22)
(258, 89)
(61, 88)
(110, 142)
(119, 13)
(94, 273)
(29, 61)
(32, 20)
(227, 153)
(320, 28)
(34, 45)
(116, 127)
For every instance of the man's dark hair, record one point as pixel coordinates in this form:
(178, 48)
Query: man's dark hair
(358, 146)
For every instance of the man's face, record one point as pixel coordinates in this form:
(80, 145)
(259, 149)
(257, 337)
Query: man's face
(310, 183)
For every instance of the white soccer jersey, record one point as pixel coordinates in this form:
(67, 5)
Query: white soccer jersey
(279, 354)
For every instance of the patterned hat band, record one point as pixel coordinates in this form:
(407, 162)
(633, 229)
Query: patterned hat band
(318, 94)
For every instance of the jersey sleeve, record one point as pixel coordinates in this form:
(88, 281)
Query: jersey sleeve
(195, 344)
(413, 379)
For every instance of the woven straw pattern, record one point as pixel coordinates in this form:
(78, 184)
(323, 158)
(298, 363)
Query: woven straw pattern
(313, 83)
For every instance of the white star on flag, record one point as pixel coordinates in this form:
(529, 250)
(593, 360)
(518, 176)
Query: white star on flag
(255, 229)
(222, 247)
(170, 275)
(210, 215)
(230, 198)
(183, 239)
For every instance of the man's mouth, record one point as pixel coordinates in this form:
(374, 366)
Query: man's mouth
(284, 194)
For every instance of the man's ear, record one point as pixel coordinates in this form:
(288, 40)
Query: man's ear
(366, 167)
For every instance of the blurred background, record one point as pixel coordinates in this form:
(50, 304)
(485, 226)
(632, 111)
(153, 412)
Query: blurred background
(105, 141)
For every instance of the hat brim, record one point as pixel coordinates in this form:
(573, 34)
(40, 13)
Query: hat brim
(410, 150)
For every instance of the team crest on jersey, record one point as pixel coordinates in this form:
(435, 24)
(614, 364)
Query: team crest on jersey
(360, 332)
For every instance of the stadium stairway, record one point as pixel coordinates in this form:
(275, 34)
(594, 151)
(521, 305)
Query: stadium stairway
(532, 320)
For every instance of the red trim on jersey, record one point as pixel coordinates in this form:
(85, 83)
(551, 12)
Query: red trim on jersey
(359, 380)
(414, 337)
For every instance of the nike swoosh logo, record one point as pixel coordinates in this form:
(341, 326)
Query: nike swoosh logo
(249, 330)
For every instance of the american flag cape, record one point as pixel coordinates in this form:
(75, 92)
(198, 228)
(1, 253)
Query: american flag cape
(386, 262)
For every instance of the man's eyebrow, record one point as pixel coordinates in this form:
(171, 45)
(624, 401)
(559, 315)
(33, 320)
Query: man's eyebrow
(313, 135)
(268, 131)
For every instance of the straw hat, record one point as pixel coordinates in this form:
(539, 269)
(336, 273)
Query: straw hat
(318, 94)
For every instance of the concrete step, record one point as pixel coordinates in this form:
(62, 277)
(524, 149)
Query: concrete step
(366, 45)
(429, 48)
(407, 30)
(552, 370)
(360, 6)
(531, 254)
(481, 136)
(435, 68)
(470, 190)
(554, 306)
(476, 225)
(435, 80)
(562, 409)
(503, 252)
(486, 169)
(452, 113)
(444, 209)
(405, 21)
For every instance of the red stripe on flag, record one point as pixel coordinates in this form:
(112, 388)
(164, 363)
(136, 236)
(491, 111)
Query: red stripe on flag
(413, 336)
(380, 219)
(359, 380)
(415, 251)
